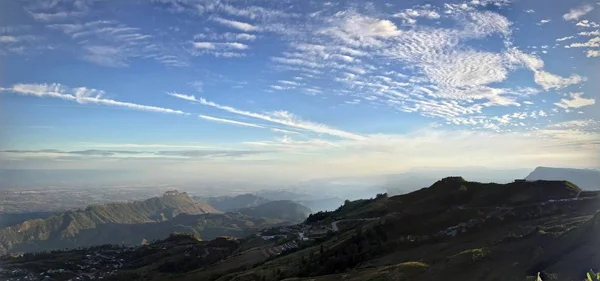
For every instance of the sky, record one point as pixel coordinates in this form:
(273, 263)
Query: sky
(298, 89)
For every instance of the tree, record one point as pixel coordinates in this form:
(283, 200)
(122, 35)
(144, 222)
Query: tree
(381, 195)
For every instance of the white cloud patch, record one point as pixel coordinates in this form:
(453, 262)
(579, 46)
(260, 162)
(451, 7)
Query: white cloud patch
(592, 53)
(246, 27)
(48, 11)
(544, 21)
(581, 124)
(543, 78)
(465, 68)
(551, 81)
(409, 16)
(112, 44)
(592, 43)
(575, 100)
(587, 24)
(215, 46)
(565, 38)
(576, 13)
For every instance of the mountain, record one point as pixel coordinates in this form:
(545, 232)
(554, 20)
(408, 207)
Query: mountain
(326, 204)
(283, 210)
(452, 230)
(17, 218)
(70, 225)
(585, 178)
(229, 203)
(282, 194)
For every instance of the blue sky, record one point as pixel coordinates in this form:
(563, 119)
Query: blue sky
(298, 89)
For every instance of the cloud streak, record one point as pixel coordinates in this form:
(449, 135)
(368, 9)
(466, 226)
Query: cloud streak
(82, 95)
(282, 118)
(228, 121)
(124, 154)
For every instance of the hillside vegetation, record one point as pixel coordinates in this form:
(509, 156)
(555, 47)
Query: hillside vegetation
(284, 210)
(453, 230)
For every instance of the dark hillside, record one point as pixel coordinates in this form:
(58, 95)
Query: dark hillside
(283, 210)
(454, 230)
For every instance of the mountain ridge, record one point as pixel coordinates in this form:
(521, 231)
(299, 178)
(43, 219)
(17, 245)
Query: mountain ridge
(281, 209)
(455, 230)
(585, 178)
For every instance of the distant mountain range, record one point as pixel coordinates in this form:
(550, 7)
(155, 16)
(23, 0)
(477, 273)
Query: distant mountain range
(283, 209)
(232, 203)
(452, 230)
(132, 223)
(585, 178)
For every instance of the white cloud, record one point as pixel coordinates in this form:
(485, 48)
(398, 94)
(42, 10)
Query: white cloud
(587, 23)
(298, 62)
(357, 30)
(236, 24)
(592, 53)
(81, 95)
(277, 130)
(576, 101)
(409, 16)
(565, 38)
(8, 39)
(544, 21)
(576, 13)
(112, 44)
(283, 118)
(215, 46)
(550, 81)
(543, 78)
(39, 16)
(105, 55)
(205, 45)
(581, 124)
(241, 36)
(592, 43)
(182, 96)
(479, 24)
(466, 68)
(286, 82)
(590, 33)
(228, 121)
